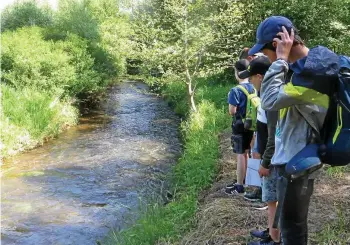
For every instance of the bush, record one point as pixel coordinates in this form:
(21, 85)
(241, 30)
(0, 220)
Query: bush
(56, 67)
(75, 17)
(26, 13)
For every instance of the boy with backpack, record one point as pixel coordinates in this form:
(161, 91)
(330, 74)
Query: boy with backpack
(241, 137)
(266, 137)
(301, 84)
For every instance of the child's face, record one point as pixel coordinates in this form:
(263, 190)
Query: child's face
(256, 80)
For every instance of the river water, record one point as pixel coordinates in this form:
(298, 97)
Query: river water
(92, 178)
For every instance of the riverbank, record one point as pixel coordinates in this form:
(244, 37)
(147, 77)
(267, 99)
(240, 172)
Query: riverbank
(199, 212)
(91, 178)
(195, 171)
(223, 219)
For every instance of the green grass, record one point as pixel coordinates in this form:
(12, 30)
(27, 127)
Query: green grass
(337, 172)
(336, 232)
(194, 172)
(28, 117)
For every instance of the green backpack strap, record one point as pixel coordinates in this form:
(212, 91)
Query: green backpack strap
(253, 97)
(245, 91)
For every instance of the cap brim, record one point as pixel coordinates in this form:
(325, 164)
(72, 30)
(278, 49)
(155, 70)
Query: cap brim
(255, 49)
(244, 74)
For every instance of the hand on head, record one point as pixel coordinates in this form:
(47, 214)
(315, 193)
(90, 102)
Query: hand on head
(284, 44)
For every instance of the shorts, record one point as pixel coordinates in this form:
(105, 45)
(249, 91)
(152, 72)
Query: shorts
(269, 185)
(241, 138)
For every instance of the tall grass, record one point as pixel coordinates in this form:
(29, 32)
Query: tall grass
(29, 116)
(194, 172)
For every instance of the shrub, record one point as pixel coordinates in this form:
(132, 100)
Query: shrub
(63, 67)
(26, 13)
(29, 61)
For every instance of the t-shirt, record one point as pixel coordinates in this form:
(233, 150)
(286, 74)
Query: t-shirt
(237, 97)
(279, 156)
(261, 115)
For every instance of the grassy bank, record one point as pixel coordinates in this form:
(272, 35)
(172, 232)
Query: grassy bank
(29, 117)
(195, 170)
(53, 61)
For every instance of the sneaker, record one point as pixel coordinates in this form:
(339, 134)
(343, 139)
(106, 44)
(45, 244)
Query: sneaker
(254, 195)
(267, 241)
(230, 186)
(235, 189)
(260, 234)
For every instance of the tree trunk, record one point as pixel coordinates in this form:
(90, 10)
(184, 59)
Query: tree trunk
(191, 90)
(187, 72)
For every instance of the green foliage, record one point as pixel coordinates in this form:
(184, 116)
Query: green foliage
(25, 13)
(70, 54)
(63, 66)
(218, 30)
(74, 17)
(28, 60)
(37, 116)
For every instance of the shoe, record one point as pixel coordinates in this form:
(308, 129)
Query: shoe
(267, 241)
(260, 234)
(233, 184)
(254, 195)
(234, 189)
(229, 186)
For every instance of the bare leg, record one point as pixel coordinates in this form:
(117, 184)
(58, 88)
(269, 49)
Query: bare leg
(242, 162)
(241, 168)
(274, 233)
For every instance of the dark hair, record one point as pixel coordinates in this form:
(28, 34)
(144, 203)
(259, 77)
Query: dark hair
(297, 41)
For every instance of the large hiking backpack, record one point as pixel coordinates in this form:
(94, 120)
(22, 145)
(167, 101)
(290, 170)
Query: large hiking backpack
(334, 139)
(253, 102)
(336, 131)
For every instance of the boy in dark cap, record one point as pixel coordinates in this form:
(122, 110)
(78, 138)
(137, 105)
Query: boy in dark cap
(241, 137)
(266, 142)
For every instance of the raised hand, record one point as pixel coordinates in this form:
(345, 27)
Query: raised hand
(284, 45)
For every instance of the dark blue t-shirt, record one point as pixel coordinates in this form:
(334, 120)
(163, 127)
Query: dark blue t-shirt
(237, 97)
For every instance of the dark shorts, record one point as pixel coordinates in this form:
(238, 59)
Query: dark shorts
(262, 137)
(241, 138)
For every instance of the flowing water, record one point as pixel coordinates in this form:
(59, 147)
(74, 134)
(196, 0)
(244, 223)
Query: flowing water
(76, 188)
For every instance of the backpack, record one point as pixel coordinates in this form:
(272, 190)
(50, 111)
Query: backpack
(336, 130)
(334, 138)
(253, 102)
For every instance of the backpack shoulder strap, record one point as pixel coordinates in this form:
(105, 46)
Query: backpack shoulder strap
(245, 91)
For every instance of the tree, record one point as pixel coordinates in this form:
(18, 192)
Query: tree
(26, 13)
(174, 36)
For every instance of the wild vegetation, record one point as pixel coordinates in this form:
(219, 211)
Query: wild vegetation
(192, 46)
(184, 49)
(52, 60)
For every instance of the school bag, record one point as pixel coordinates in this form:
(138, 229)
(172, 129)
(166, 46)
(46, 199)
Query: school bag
(336, 130)
(327, 73)
(253, 102)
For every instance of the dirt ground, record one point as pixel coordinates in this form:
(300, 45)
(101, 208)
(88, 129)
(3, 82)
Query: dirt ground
(223, 219)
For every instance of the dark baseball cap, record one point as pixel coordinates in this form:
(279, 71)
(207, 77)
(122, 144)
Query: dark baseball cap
(241, 65)
(267, 31)
(259, 65)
